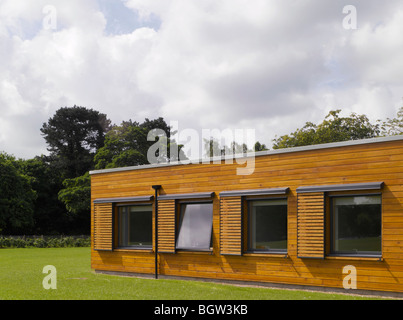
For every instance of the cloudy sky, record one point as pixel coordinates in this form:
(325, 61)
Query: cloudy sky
(229, 64)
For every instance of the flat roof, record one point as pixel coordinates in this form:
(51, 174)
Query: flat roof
(255, 154)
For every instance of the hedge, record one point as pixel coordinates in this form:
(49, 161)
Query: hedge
(44, 242)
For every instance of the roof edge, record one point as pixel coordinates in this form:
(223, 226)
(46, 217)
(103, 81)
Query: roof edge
(255, 154)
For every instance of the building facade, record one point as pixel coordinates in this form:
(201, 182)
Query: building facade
(328, 215)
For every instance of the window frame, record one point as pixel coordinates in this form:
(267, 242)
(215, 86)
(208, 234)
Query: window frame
(364, 254)
(248, 206)
(179, 219)
(118, 207)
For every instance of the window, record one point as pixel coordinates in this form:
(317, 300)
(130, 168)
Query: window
(135, 226)
(356, 225)
(195, 229)
(268, 225)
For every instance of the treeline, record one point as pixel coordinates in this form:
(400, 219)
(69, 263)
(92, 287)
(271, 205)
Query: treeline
(50, 194)
(335, 128)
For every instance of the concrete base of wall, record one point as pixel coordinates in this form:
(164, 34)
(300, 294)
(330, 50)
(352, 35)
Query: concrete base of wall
(365, 293)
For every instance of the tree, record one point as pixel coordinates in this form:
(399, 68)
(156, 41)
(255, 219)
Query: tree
(127, 144)
(394, 126)
(50, 215)
(76, 194)
(16, 197)
(333, 129)
(74, 135)
(124, 145)
(260, 147)
(213, 148)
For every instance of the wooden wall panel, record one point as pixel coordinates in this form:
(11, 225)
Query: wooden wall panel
(231, 226)
(166, 226)
(341, 165)
(103, 222)
(311, 225)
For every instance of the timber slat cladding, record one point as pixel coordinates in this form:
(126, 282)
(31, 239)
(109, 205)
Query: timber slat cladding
(231, 226)
(311, 226)
(330, 166)
(166, 226)
(103, 221)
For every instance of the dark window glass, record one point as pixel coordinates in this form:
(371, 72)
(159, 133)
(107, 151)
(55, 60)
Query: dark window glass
(268, 225)
(356, 225)
(196, 223)
(135, 226)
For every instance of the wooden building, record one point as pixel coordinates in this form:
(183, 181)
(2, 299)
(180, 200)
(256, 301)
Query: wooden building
(328, 215)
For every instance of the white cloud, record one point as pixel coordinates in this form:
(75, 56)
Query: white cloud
(267, 65)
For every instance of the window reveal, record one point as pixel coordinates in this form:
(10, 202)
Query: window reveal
(356, 225)
(135, 226)
(268, 225)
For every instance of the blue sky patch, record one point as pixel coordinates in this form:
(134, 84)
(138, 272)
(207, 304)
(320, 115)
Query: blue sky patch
(122, 20)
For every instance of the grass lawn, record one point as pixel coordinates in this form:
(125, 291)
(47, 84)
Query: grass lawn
(21, 279)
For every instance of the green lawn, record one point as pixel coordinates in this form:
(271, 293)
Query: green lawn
(21, 279)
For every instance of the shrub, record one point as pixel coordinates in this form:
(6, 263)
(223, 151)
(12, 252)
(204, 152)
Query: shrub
(39, 243)
(53, 243)
(19, 243)
(44, 242)
(67, 242)
(83, 242)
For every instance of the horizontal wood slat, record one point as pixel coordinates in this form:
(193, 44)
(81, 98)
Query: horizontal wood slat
(231, 226)
(310, 225)
(166, 226)
(333, 166)
(103, 226)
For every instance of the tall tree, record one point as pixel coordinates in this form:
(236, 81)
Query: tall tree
(333, 129)
(16, 198)
(74, 135)
(127, 144)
